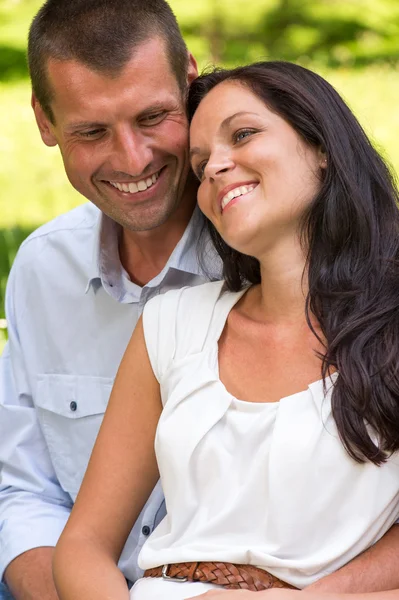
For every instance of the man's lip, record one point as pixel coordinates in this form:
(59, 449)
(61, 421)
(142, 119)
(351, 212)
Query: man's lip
(158, 172)
(140, 195)
(233, 186)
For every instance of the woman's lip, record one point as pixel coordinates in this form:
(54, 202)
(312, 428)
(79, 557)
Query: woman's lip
(233, 186)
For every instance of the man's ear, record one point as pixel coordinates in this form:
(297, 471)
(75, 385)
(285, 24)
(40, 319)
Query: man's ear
(43, 123)
(192, 72)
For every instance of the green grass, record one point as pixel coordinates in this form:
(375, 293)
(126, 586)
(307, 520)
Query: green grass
(372, 94)
(2, 340)
(33, 184)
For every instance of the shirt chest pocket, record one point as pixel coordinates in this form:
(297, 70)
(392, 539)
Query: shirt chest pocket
(70, 410)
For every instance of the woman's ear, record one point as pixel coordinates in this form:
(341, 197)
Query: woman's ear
(322, 158)
(43, 123)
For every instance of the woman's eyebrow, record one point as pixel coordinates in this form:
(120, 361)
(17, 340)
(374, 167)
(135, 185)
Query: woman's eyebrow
(194, 151)
(228, 120)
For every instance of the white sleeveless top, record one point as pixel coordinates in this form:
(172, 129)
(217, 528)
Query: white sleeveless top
(263, 484)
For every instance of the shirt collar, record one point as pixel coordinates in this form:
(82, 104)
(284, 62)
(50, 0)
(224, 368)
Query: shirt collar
(105, 255)
(185, 254)
(106, 265)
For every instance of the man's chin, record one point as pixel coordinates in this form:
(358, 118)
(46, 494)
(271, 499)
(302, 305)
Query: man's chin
(146, 219)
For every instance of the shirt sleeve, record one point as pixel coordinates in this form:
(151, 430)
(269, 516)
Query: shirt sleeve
(33, 506)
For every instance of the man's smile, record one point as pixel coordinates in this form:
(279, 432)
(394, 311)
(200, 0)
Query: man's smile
(136, 186)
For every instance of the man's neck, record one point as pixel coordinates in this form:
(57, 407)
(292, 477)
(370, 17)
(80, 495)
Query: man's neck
(144, 254)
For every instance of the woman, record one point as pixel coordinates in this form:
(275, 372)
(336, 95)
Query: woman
(273, 398)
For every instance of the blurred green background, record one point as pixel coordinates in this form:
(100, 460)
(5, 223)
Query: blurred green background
(353, 43)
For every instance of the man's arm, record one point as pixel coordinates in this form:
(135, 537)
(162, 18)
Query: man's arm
(374, 570)
(33, 507)
(30, 577)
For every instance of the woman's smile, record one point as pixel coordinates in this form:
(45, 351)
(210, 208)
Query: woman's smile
(233, 191)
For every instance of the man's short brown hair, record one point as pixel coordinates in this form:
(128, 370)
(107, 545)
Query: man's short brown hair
(101, 34)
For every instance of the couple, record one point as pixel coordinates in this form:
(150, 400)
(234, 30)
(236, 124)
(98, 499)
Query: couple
(267, 403)
(260, 442)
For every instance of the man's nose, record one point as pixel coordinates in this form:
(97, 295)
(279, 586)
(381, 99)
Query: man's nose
(131, 152)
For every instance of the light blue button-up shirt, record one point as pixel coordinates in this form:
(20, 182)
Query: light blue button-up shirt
(71, 310)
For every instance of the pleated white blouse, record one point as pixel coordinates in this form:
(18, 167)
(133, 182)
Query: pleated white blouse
(264, 484)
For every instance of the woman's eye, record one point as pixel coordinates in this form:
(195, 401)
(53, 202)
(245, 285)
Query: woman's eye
(199, 170)
(242, 133)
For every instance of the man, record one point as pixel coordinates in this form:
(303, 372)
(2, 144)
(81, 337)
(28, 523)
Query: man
(109, 79)
(80, 283)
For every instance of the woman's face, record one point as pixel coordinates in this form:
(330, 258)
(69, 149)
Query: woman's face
(257, 175)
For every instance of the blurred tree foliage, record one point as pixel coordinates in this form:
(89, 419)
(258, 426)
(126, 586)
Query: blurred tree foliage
(328, 32)
(10, 240)
(12, 63)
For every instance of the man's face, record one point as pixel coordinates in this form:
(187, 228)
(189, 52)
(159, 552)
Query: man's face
(124, 140)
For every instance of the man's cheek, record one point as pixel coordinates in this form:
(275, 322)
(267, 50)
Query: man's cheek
(177, 133)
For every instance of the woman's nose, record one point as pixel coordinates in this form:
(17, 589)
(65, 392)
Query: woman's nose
(218, 165)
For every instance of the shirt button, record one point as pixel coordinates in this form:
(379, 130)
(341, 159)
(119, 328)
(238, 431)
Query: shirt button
(146, 530)
(73, 406)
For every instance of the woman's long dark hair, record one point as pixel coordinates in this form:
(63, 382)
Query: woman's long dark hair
(352, 238)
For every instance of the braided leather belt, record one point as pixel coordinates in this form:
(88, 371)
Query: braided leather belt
(228, 575)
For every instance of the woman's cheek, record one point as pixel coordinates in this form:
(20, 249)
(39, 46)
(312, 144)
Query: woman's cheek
(204, 201)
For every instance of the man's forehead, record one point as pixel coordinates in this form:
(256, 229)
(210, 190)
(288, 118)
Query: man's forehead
(140, 84)
(146, 59)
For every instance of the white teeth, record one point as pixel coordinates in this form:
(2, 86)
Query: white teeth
(238, 191)
(133, 188)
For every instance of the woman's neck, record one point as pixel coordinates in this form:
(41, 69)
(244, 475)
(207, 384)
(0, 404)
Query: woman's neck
(284, 284)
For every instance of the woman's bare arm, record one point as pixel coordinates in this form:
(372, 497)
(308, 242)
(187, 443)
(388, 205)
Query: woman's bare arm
(119, 479)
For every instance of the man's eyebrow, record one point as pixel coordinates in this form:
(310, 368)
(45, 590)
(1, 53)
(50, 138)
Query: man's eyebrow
(167, 104)
(224, 125)
(84, 125)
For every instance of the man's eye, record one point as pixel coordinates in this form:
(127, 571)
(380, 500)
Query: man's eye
(154, 119)
(242, 134)
(93, 133)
